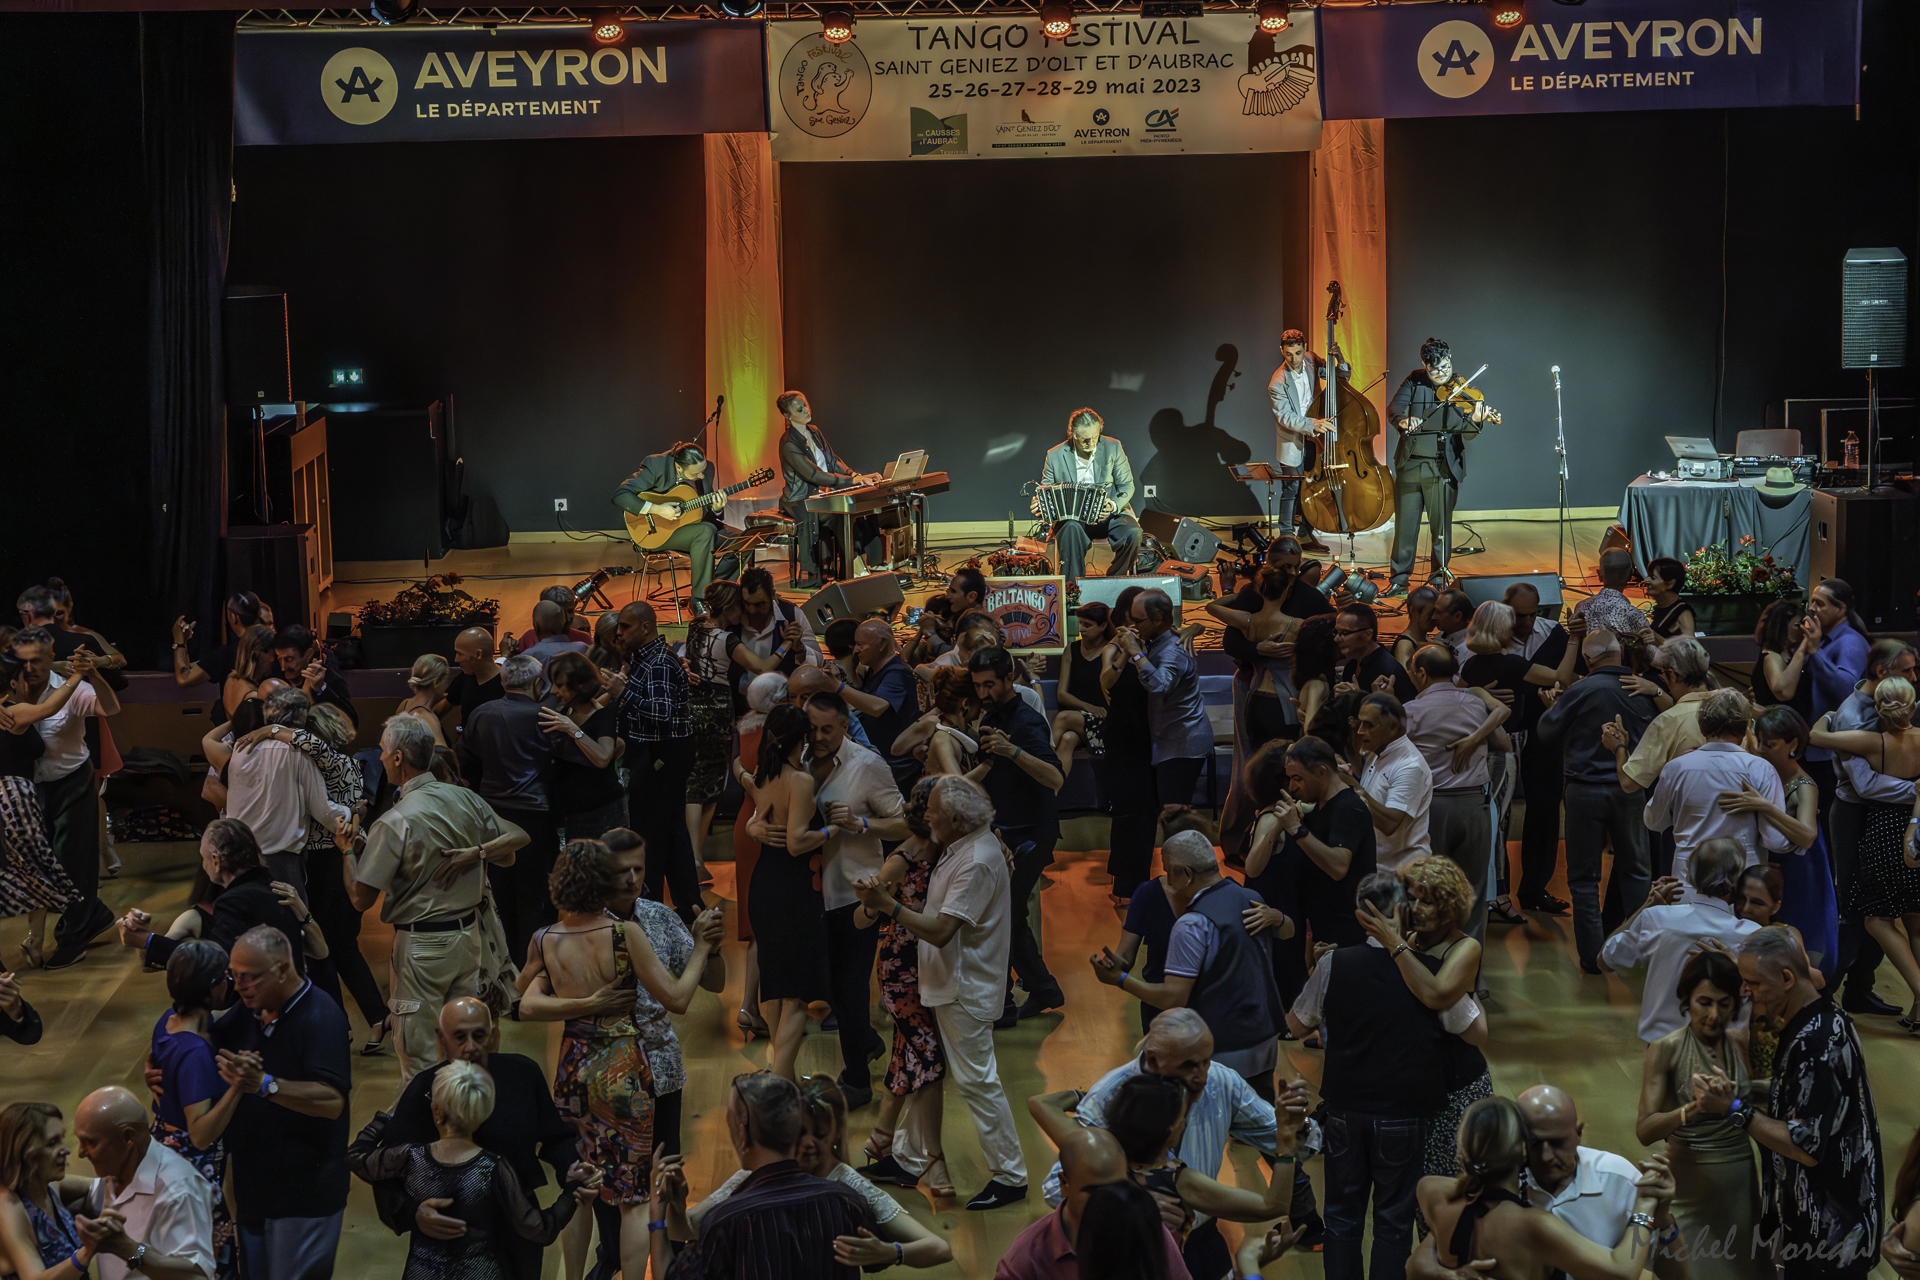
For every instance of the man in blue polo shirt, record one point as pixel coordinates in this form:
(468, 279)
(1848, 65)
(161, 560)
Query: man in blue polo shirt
(887, 703)
(283, 1049)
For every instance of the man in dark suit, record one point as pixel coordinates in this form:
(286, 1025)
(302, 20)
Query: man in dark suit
(808, 466)
(682, 464)
(1086, 457)
(1428, 461)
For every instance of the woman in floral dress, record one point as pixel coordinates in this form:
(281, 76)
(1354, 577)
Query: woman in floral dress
(918, 1060)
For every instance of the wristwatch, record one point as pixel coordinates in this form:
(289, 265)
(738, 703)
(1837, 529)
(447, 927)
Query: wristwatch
(268, 1086)
(578, 734)
(1739, 1115)
(1642, 1220)
(138, 1260)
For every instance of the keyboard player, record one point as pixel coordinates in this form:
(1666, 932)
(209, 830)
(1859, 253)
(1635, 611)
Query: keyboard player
(1085, 457)
(809, 466)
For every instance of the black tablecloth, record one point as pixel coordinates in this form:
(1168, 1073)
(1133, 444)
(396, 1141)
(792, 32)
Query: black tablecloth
(1678, 517)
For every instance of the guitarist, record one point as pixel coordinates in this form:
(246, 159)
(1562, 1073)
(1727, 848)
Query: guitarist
(809, 467)
(1429, 461)
(682, 464)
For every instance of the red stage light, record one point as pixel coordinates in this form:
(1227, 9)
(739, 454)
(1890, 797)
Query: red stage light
(1273, 17)
(1508, 14)
(608, 29)
(836, 26)
(1056, 21)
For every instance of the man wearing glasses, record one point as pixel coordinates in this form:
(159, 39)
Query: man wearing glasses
(1430, 459)
(283, 1050)
(1365, 661)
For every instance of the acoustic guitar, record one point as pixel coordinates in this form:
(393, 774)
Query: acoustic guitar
(655, 527)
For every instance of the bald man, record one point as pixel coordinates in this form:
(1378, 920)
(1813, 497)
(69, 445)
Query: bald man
(478, 680)
(1088, 1159)
(551, 634)
(805, 682)
(149, 1211)
(1591, 1191)
(656, 720)
(525, 1128)
(887, 702)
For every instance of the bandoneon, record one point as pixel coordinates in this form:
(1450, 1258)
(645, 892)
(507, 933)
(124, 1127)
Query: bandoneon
(1080, 502)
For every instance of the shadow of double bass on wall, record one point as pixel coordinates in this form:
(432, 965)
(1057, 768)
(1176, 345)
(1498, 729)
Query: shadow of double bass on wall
(1189, 465)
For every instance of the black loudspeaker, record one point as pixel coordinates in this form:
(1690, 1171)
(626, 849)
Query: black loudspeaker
(854, 598)
(1873, 309)
(1185, 539)
(253, 327)
(1853, 531)
(1494, 587)
(278, 563)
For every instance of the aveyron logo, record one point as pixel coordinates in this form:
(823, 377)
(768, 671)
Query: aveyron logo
(825, 88)
(1456, 59)
(358, 86)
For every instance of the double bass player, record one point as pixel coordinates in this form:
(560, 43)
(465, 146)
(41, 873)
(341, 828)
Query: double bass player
(1293, 390)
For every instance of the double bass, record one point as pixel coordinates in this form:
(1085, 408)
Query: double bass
(1346, 491)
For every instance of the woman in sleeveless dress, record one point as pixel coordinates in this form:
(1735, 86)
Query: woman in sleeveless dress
(1807, 900)
(1129, 785)
(193, 1105)
(765, 692)
(1715, 1181)
(1316, 658)
(1671, 617)
(789, 913)
(1083, 702)
(427, 683)
(604, 1086)
(1780, 676)
(1481, 1214)
(38, 1196)
(1886, 884)
(1265, 701)
(253, 662)
(32, 881)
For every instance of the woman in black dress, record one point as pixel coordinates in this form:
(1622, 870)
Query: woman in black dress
(1082, 698)
(1779, 678)
(1671, 617)
(789, 914)
(1129, 781)
(483, 1190)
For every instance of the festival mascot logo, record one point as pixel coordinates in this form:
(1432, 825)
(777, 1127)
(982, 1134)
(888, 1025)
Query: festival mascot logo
(1277, 81)
(826, 88)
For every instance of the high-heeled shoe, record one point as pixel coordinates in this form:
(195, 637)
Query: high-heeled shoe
(938, 1180)
(879, 1145)
(753, 1024)
(30, 955)
(379, 1042)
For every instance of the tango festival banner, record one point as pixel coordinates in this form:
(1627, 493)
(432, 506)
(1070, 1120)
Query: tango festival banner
(995, 88)
(442, 84)
(1602, 55)
(1031, 611)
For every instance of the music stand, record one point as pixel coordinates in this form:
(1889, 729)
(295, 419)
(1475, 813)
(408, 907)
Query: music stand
(1261, 473)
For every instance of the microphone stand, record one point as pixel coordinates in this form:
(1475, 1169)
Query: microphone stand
(1560, 447)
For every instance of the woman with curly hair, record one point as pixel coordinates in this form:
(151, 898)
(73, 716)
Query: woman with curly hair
(1780, 677)
(1440, 963)
(1482, 1213)
(603, 1085)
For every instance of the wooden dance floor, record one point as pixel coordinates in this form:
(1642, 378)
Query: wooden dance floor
(1549, 1024)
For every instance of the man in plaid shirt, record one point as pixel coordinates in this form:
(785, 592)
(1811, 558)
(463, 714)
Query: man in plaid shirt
(657, 722)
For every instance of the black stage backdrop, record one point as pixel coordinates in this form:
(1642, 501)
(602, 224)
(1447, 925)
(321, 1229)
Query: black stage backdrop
(553, 288)
(966, 307)
(73, 318)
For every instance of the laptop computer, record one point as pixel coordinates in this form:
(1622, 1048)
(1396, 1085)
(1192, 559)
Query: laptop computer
(910, 465)
(1692, 447)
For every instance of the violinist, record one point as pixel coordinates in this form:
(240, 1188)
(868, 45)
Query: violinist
(1430, 458)
(1294, 390)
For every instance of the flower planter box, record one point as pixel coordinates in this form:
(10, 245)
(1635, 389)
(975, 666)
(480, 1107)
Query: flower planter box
(1723, 615)
(391, 647)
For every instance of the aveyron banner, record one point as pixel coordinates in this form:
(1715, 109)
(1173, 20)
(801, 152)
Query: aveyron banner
(430, 84)
(1602, 55)
(995, 88)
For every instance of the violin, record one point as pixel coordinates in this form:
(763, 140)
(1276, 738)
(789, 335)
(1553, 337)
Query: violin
(1466, 399)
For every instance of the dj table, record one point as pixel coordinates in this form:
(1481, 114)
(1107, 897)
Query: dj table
(1678, 517)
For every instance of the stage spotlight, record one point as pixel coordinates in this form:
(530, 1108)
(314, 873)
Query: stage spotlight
(1273, 17)
(1056, 21)
(836, 25)
(1508, 14)
(607, 28)
(743, 8)
(391, 13)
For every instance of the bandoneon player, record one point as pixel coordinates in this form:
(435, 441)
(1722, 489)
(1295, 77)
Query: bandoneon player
(1088, 457)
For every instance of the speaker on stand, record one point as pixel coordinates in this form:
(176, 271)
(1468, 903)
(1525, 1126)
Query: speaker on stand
(1873, 329)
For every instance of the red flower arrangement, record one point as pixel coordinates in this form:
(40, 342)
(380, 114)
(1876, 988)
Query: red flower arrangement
(436, 601)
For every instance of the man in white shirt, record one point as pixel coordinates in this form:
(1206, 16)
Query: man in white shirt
(150, 1212)
(1452, 615)
(1396, 784)
(63, 777)
(1671, 924)
(1444, 721)
(966, 935)
(274, 788)
(1687, 796)
(855, 789)
(1291, 392)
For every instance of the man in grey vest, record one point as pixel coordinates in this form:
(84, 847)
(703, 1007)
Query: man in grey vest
(1085, 457)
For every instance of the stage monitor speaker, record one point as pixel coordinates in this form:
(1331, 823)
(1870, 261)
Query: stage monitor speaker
(1873, 312)
(1493, 586)
(1852, 531)
(253, 327)
(854, 598)
(280, 564)
(1184, 538)
(1107, 590)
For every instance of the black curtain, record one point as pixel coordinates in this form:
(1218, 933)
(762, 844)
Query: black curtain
(186, 69)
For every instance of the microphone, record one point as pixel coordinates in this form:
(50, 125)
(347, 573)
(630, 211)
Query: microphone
(1556, 377)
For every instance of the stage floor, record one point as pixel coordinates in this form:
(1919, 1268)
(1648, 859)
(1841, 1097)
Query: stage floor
(1549, 1024)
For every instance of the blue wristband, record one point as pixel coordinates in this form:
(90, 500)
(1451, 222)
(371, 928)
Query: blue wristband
(659, 1224)
(73, 1260)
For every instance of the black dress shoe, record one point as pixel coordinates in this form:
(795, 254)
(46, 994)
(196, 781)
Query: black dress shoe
(830, 1023)
(1045, 1000)
(1546, 904)
(997, 1195)
(1009, 1017)
(856, 1097)
(1864, 1002)
(1591, 967)
(888, 1170)
(66, 955)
